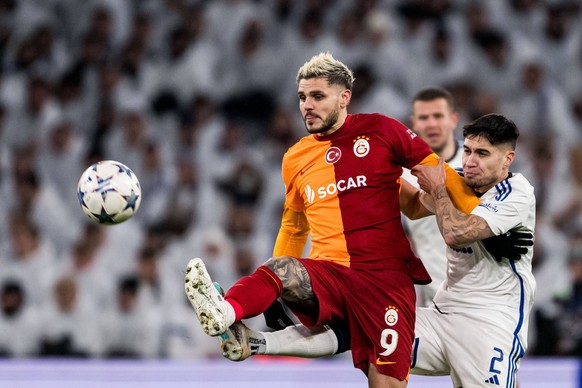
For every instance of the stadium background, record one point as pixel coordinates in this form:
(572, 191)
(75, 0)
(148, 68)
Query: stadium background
(198, 98)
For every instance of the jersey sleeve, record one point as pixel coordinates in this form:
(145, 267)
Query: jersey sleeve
(408, 148)
(292, 234)
(508, 209)
(293, 198)
(461, 195)
(294, 226)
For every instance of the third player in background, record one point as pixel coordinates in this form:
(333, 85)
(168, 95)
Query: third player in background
(434, 119)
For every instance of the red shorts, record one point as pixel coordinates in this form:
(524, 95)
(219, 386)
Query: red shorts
(379, 307)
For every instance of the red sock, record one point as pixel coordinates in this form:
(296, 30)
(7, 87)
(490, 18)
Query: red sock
(253, 294)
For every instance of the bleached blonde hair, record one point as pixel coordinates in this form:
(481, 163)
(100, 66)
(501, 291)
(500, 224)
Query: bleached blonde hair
(324, 65)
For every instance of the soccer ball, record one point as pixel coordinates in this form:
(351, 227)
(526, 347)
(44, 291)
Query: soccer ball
(109, 192)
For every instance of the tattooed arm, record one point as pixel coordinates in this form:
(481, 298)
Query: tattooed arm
(457, 228)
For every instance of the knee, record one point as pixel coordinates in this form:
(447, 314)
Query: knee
(280, 263)
(284, 267)
(293, 276)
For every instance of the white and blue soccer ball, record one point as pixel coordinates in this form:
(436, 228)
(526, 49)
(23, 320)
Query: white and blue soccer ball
(109, 192)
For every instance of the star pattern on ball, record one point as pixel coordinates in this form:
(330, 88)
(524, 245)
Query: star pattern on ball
(131, 200)
(105, 218)
(126, 170)
(109, 192)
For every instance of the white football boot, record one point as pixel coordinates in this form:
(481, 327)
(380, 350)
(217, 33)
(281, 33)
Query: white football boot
(205, 298)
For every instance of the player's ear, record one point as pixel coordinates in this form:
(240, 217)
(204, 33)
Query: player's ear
(345, 98)
(455, 119)
(509, 156)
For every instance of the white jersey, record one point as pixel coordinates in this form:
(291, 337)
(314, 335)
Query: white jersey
(474, 278)
(477, 329)
(428, 242)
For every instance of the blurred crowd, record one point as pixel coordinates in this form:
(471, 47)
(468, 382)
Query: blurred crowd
(199, 99)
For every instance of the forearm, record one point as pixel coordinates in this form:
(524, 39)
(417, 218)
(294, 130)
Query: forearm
(457, 228)
(411, 204)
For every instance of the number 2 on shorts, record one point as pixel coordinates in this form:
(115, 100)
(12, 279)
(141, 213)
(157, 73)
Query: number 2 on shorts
(495, 359)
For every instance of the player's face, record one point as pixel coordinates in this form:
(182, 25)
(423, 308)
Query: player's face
(322, 106)
(485, 165)
(434, 122)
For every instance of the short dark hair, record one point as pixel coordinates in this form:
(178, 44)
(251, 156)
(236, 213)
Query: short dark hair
(494, 127)
(432, 93)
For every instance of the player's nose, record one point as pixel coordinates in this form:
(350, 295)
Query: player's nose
(471, 160)
(308, 104)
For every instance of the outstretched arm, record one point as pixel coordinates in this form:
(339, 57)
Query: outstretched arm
(457, 228)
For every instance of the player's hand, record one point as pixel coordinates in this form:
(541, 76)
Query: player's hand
(430, 177)
(510, 245)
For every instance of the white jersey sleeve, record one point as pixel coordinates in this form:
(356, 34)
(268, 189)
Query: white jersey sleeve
(508, 205)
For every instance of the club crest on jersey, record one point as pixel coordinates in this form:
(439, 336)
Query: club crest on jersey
(332, 155)
(391, 316)
(361, 146)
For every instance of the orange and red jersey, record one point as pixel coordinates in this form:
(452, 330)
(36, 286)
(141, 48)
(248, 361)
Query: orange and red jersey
(347, 184)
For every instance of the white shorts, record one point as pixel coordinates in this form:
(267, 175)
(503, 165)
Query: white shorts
(478, 349)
